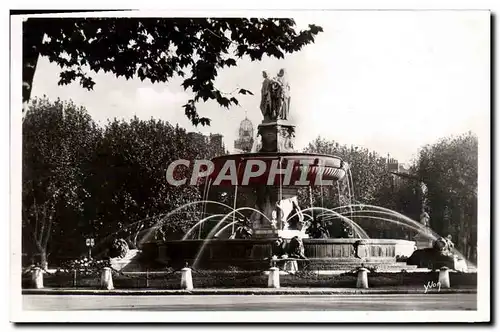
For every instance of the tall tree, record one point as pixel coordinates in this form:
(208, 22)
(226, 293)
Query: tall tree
(449, 168)
(81, 181)
(59, 140)
(158, 49)
(131, 193)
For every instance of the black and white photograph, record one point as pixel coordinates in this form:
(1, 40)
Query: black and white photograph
(250, 166)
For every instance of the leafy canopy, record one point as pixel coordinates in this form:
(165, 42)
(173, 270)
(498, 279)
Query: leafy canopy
(81, 180)
(59, 139)
(158, 49)
(450, 170)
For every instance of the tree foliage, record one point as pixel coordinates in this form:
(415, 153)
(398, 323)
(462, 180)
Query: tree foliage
(158, 49)
(80, 180)
(372, 184)
(130, 165)
(58, 141)
(450, 170)
(368, 169)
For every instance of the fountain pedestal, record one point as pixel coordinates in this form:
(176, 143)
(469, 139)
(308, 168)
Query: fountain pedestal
(276, 202)
(277, 136)
(264, 231)
(277, 208)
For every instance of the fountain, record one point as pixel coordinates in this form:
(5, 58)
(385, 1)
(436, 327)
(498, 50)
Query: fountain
(266, 221)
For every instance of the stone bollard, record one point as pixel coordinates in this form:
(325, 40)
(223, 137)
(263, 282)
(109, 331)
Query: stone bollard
(106, 279)
(37, 278)
(186, 279)
(444, 277)
(274, 278)
(362, 281)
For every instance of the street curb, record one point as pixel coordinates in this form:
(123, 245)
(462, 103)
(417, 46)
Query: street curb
(264, 291)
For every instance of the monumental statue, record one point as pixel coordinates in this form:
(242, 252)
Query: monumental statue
(265, 99)
(277, 134)
(275, 97)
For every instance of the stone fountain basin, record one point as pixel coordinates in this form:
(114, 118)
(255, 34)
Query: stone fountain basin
(330, 168)
(329, 254)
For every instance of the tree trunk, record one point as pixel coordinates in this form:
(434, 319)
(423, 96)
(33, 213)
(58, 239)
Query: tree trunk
(43, 260)
(32, 39)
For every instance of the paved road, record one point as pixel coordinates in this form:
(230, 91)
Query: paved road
(366, 302)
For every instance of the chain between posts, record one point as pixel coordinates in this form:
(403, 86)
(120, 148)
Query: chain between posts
(143, 275)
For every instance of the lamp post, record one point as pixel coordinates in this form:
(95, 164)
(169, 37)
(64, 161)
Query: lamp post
(90, 243)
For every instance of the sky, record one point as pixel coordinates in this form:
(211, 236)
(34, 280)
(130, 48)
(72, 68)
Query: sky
(385, 80)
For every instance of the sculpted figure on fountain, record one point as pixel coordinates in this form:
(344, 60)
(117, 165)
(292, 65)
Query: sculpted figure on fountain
(275, 97)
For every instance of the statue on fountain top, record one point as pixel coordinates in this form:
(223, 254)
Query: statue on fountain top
(275, 97)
